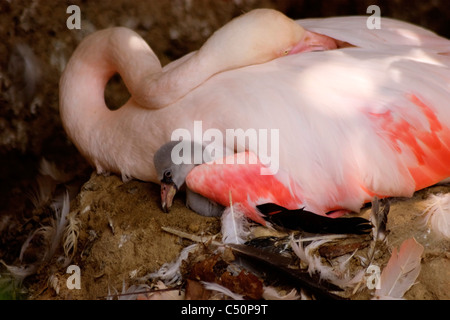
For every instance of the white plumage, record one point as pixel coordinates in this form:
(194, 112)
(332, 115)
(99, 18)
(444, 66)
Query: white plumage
(437, 214)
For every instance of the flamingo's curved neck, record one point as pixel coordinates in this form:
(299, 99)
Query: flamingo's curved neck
(106, 137)
(99, 133)
(162, 88)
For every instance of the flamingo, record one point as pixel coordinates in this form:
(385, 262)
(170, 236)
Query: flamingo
(360, 113)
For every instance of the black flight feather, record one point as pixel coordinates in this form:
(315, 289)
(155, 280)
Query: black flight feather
(301, 219)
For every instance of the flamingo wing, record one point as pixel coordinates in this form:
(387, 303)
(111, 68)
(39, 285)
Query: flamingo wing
(241, 175)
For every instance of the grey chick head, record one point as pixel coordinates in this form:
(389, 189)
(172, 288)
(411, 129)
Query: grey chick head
(173, 162)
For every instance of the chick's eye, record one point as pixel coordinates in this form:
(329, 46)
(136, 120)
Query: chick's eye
(167, 174)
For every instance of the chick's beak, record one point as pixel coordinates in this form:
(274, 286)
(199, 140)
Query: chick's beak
(168, 191)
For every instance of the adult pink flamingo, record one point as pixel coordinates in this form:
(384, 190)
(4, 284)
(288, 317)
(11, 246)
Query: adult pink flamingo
(370, 118)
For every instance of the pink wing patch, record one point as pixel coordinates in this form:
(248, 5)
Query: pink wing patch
(431, 147)
(243, 178)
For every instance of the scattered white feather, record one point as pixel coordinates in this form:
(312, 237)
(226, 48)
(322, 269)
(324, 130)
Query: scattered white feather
(270, 293)
(235, 225)
(401, 272)
(133, 292)
(44, 231)
(42, 192)
(21, 272)
(307, 257)
(111, 296)
(71, 233)
(52, 236)
(170, 272)
(437, 214)
(47, 168)
(50, 176)
(338, 275)
(217, 287)
(53, 282)
(299, 250)
(53, 233)
(61, 207)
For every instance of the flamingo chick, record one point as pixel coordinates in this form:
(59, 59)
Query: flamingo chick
(173, 178)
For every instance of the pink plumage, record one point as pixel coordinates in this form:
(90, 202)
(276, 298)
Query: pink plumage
(245, 182)
(428, 145)
(370, 118)
(370, 121)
